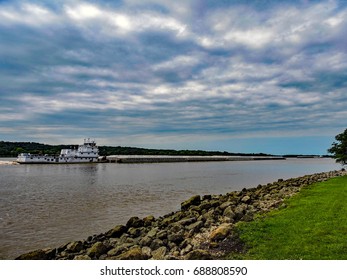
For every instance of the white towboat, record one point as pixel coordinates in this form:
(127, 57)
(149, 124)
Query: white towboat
(88, 152)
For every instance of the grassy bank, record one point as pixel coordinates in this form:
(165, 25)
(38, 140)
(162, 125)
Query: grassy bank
(312, 226)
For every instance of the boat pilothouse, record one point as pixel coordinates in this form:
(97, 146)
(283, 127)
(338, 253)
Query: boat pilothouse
(88, 152)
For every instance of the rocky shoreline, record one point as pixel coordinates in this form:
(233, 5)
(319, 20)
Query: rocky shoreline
(202, 229)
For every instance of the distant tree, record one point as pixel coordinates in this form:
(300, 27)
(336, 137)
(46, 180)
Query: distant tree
(19, 150)
(339, 148)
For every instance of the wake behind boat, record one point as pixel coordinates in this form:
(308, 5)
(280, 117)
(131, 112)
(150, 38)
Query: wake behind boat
(88, 152)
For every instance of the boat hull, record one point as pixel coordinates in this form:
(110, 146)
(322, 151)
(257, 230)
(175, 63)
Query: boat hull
(54, 160)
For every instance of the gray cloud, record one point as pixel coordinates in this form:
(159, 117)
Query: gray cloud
(166, 70)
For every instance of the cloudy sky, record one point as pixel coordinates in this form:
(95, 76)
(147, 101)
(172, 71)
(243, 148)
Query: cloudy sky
(241, 76)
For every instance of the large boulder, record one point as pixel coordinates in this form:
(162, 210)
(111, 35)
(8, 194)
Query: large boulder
(116, 232)
(221, 232)
(148, 220)
(194, 200)
(97, 250)
(246, 199)
(228, 212)
(132, 254)
(75, 246)
(195, 226)
(156, 243)
(45, 254)
(176, 237)
(135, 222)
(159, 254)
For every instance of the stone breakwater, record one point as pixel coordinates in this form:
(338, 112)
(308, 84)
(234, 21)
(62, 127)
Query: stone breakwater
(202, 229)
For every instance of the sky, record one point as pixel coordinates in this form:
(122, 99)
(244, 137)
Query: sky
(238, 76)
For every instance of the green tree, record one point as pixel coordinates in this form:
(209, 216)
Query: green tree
(339, 148)
(19, 150)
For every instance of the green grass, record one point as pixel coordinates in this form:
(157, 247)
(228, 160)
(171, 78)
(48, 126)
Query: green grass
(313, 226)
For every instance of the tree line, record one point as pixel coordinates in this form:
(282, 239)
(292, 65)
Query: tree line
(12, 149)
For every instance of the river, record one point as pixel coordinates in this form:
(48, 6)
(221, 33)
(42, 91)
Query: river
(48, 205)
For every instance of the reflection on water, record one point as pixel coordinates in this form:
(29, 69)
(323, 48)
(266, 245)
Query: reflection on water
(47, 205)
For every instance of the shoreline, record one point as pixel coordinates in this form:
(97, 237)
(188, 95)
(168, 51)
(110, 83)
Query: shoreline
(202, 229)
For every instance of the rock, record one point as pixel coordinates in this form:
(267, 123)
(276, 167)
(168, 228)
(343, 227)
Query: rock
(162, 234)
(135, 232)
(173, 218)
(148, 220)
(75, 246)
(209, 215)
(116, 232)
(186, 250)
(170, 257)
(206, 197)
(226, 220)
(176, 237)
(214, 203)
(195, 200)
(204, 206)
(195, 208)
(240, 210)
(45, 254)
(171, 246)
(62, 248)
(246, 199)
(123, 238)
(132, 254)
(146, 241)
(196, 226)
(221, 232)
(185, 243)
(218, 211)
(82, 257)
(159, 254)
(135, 222)
(198, 254)
(119, 249)
(156, 243)
(152, 233)
(194, 213)
(129, 240)
(97, 250)
(187, 221)
(228, 212)
(147, 252)
(175, 228)
(225, 205)
(103, 257)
